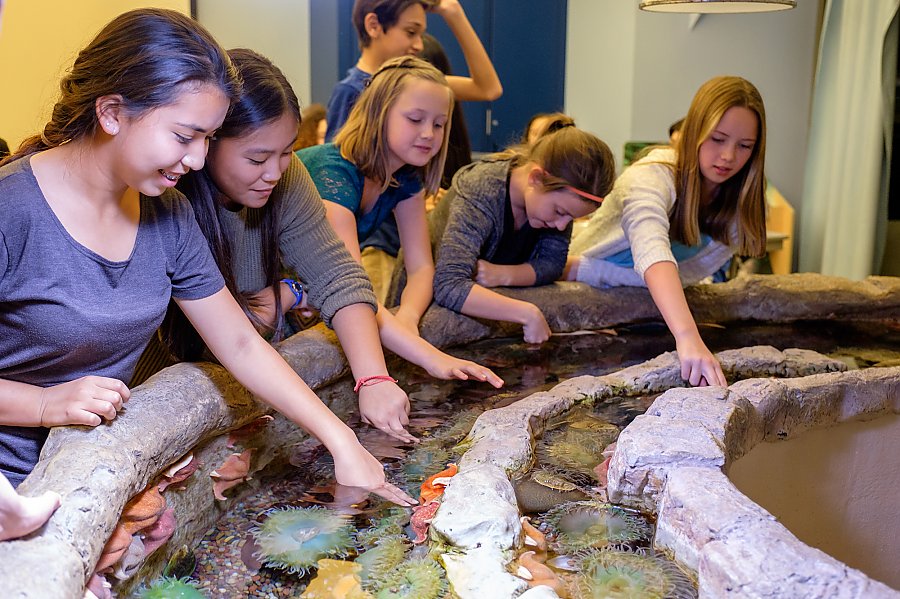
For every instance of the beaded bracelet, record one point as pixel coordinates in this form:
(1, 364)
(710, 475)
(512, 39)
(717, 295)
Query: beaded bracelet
(368, 381)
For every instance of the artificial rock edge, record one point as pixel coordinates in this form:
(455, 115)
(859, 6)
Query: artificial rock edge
(670, 461)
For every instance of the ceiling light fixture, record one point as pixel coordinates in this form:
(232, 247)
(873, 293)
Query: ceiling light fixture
(716, 6)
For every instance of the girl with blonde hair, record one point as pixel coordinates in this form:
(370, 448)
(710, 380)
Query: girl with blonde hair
(394, 140)
(678, 215)
(388, 156)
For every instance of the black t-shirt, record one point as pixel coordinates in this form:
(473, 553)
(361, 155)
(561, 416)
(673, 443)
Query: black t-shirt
(515, 246)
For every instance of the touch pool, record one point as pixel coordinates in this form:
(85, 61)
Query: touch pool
(121, 459)
(580, 529)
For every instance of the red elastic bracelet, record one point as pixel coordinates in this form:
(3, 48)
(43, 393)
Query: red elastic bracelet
(368, 381)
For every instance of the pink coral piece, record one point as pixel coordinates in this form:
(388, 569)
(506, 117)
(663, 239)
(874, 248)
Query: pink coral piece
(170, 477)
(421, 517)
(231, 473)
(601, 471)
(98, 588)
(240, 435)
(159, 533)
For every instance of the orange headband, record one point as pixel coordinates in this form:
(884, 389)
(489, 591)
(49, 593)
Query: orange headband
(584, 194)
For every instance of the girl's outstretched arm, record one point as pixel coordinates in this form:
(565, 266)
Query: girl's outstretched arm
(413, 228)
(698, 365)
(343, 222)
(484, 303)
(483, 84)
(385, 405)
(256, 365)
(440, 365)
(412, 224)
(395, 335)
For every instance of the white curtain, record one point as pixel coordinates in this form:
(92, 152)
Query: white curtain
(844, 209)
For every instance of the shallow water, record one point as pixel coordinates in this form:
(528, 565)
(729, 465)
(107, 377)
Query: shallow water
(441, 411)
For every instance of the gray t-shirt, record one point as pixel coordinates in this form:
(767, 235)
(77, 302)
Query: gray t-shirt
(67, 312)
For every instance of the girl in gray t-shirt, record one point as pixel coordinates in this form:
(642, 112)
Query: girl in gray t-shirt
(94, 241)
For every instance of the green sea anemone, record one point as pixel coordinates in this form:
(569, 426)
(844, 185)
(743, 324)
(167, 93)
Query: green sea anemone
(462, 423)
(379, 561)
(580, 525)
(421, 578)
(296, 538)
(624, 574)
(390, 524)
(171, 588)
(577, 450)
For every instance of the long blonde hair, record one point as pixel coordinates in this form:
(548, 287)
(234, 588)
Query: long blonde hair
(741, 198)
(363, 138)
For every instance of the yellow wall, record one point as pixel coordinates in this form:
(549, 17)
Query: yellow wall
(38, 42)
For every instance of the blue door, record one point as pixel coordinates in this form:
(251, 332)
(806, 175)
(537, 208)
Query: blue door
(526, 40)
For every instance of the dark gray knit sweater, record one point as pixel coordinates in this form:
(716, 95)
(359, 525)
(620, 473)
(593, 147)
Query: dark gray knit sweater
(468, 225)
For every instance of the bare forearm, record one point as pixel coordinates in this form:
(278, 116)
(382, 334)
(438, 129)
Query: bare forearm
(698, 365)
(485, 83)
(668, 295)
(398, 339)
(416, 350)
(484, 303)
(357, 330)
(517, 275)
(257, 366)
(416, 297)
(20, 404)
(570, 272)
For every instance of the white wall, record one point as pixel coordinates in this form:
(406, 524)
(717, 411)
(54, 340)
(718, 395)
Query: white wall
(835, 489)
(632, 73)
(278, 29)
(600, 69)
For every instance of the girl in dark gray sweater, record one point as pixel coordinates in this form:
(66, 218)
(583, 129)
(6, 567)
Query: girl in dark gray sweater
(507, 221)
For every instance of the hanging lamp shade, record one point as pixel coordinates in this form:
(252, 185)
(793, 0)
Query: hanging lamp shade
(716, 6)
